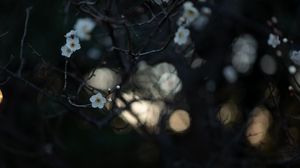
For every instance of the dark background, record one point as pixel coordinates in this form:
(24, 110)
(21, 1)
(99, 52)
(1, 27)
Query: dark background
(37, 132)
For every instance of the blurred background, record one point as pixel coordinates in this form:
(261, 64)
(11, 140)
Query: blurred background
(238, 103)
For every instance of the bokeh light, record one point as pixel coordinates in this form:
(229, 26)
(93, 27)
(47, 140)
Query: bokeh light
(103, 78)
(179, 121)
(244, 53)
(257, 132)
(230, 74)
(228, 113)
(143, 113)
(1, 96)
(268, 65)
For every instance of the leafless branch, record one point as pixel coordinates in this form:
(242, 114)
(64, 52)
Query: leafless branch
(22, 59)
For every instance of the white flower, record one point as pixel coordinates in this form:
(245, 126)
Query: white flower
(190, 12)
(66, 51)
(273, 40)
(181, 21)
(181, 36)
(84, 27)
(98, 101)
(73, 44)
(295, 57)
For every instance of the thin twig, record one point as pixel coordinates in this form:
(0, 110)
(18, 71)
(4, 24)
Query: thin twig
(66, 75)
(78, 105)
(3, 34)
(22, 59)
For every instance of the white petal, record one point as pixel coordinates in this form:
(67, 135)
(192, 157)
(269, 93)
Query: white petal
(74, 40)
(70, 34)
(99, 95)
(93, 99)
(181, 36)
(66, 51)
(273, 40)
(73, 44)
(100, 105)
(95, 104)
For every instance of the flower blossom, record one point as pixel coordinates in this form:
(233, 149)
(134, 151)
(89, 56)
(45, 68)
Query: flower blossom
(273, 40)
(182, 36)
(190, 13)
(98, 101)
(72, 44)
(66, 51)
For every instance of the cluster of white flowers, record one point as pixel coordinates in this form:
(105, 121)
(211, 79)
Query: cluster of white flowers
(72, 44)
(190, 17)
(273, 40)
(190, 14)
(83, 28)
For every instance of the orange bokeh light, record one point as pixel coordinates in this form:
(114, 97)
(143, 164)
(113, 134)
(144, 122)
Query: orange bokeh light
(1, 96)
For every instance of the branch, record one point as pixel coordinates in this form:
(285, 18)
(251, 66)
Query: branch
(22, 59)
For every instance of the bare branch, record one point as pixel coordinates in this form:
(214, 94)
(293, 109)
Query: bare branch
(22, 59)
